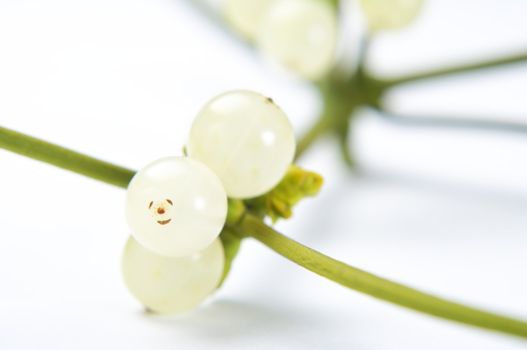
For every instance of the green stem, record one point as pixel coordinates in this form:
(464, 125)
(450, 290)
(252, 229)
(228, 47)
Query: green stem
(375, 286)
(321, 126)
(251, 226)
(64, 158)
(453, 122)
(458, 69)
(343, 137)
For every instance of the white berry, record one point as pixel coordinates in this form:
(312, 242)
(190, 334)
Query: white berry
(246, 16)
(170, 285)
(246, 139)
(176, 206)
(390, 14)
(301, 35)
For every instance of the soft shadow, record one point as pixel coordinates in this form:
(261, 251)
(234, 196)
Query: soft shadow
(223, 321)
(461, 189)
(344, 201)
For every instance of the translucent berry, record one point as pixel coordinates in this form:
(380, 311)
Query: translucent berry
(246, 139)
(170, 285)
(390, 14)
(246, 16)
(300, 35)
(176, 206)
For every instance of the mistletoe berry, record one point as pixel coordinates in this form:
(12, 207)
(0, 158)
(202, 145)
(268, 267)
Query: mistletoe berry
(246, 139)
(170, 285)
(390, 14)
(300, 35)
(176, 206)
(246, 16)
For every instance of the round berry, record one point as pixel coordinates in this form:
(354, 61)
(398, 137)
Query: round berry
(176, 206)
(390, 14)
(246, 16)
(300, 35)
(246, 139)
(170, 285)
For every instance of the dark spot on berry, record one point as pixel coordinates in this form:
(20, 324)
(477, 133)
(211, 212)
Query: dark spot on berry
(269, 100)
(164, 222)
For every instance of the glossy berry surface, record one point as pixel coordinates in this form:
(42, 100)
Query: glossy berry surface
(390, 14)
(176, 206)
(246, 139)
(246, 16)
(170, 285)
(300, 35)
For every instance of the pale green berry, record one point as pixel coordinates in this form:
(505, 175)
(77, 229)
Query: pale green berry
(390, 14)
(176, 206)
(246, 139)
(246, 16)
(300, 35)
(171, 285)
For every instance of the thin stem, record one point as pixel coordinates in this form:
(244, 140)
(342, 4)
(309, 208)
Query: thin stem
(364, 51)
(320, 127)
(458, 69)
(343, 137)
(310, 259)
(64, 158)
(375, 286)
(452, 122)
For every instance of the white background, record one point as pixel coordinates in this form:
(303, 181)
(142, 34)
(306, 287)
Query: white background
(440, 209)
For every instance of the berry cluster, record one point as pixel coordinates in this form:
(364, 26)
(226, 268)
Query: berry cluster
(186, 229)
(301, 35)
(240, 146)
